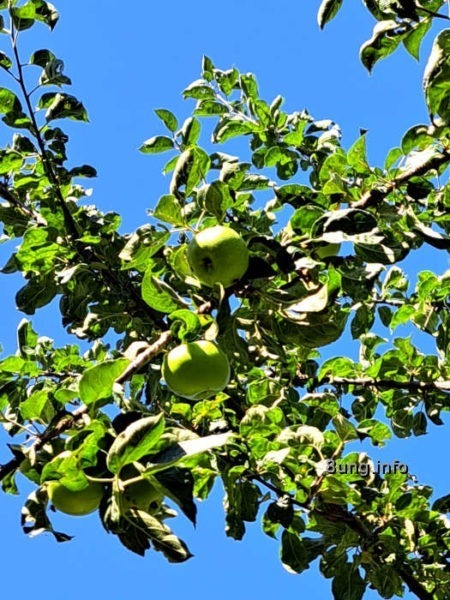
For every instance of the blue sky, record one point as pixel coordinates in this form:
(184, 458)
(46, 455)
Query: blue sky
(126, 60)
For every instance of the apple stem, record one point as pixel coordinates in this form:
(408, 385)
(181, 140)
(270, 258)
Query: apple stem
(99, 479)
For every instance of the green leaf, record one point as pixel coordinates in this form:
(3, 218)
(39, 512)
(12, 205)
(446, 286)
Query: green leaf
(159, 296)
(34, 406)
(38, 251)
(294, 556)
(377, 431)
(178, 485)
(227, 81)
(161, 537)
(177, 451)
(185, 323)
(314, 303)
(207, 68)
(10, 162)
(261, 110)
(141, 246)
(386, 581)
(46, 13)
(413, 39)
(242, 503)
(363, 321)
(170, 165)
(393, 156)
(228, 128)
(24, 16)
(5, 61)
(157, 144)
(41, 58)
(192, 166)
(249, 86)
(327, 11)
(215, 197)
(281, 512)
(209, 108)
(442, 504)
(340, 366)
(83, 171)
(38, 292)
(97, 382)
(344, 428)
(387, 35)
(26, 337)
(168, 118)
(350, 222)
(248, 501)
(417, 138)
(34, 518)
(9, 103)
(419, 425)
(348, 583)
(168, 210)
(436, 79)
(402, 316)
(62, 106)
(135, 442)
(357, 156)
(199, 90)
(190, 132)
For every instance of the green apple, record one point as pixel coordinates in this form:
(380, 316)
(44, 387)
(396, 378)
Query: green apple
(218, 255)
(77, 503)
(141, 494)
(196, 370)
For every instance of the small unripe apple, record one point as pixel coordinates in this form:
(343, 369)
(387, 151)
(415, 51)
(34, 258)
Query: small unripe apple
(79, 503)
(218, 255)
(141, 494)
(196, 370)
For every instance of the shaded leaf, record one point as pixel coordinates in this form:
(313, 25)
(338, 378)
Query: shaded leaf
(294, 555)
(135, 442)
(157, 144)
(327, 11)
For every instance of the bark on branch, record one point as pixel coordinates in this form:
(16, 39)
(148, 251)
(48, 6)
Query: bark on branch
(377, 195)
(145, 357)
(412, 386)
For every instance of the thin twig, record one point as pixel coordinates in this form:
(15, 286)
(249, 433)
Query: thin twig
(145, 357)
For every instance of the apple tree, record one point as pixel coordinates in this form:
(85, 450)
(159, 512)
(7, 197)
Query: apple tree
(238, 329)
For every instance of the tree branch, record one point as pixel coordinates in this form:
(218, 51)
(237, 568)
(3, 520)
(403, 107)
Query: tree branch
(68, 420)
(62, 424)
(156, 348)
(412, 386)
(432, 14)
(145, 357)
(414, 586)
(377, 195)
(73, 229)
(6, 194)
(337, 513)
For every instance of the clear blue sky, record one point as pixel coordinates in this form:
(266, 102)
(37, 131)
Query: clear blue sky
(125, 59)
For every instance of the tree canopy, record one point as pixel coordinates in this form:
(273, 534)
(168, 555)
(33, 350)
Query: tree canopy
(324, 231)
